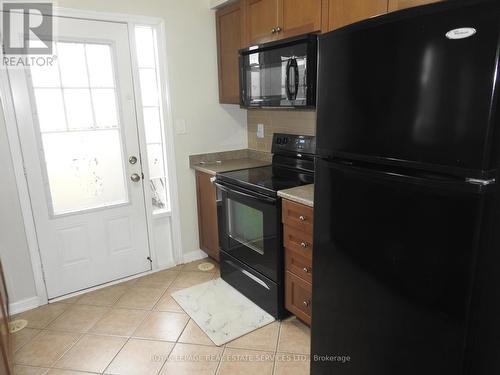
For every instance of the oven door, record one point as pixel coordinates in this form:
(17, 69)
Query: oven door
(250, 229)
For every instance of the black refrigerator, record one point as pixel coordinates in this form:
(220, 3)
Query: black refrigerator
(406, 265)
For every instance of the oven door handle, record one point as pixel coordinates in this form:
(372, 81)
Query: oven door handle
(246, 195)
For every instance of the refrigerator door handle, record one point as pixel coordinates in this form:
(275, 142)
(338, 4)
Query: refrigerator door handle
(476, 181)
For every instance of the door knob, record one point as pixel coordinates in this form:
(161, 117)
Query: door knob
(306, 303)
(273, 31)
(135, 177)
(306, 270)
(132, 159)
(302, 218)
(278, 29)
(303, 244)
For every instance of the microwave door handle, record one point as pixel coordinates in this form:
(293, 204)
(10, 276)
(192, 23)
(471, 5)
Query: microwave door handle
(292, 64)
(287, 80)
(296, 70)
(246, 195)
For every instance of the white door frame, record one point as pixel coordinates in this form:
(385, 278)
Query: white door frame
(17, 156)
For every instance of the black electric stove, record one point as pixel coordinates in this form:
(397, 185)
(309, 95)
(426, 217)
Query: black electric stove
(249, 219)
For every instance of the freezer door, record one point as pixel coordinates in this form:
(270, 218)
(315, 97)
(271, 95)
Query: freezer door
(393, 260)
(397, 89)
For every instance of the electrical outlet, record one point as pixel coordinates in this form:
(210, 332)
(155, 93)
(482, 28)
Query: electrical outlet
(260, 130)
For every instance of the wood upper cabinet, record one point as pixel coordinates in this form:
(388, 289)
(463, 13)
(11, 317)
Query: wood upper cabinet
(207, 214)
(402, 4)
(345, 12)
(296, 17)
(261, 18)
(229, 23)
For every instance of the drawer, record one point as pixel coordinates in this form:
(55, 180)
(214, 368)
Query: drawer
(298, 265)
(298, 216)
(298, 241)
(298, 297)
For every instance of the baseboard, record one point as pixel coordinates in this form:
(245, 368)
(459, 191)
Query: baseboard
(194, 255)
(23, 305)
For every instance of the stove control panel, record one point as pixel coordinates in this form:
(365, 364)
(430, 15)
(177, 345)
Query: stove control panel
(305, 144)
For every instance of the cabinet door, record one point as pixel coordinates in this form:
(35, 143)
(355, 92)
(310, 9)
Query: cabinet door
(229, 41)
(261, 20)
(345, 12)
(207, 214)
(298, 17)
(402, 4)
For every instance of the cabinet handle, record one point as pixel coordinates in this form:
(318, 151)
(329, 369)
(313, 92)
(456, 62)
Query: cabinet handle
(278, 29)
(306, 270)
(306, 303)
(273, 31)
(304, 245)
(213, 179)
(302, 218)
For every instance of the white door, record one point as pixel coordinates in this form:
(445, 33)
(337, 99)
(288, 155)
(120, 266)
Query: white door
(78, 131)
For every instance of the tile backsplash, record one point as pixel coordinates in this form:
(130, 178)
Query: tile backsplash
(278, 121)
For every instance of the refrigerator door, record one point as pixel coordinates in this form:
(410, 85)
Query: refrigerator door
(393, 268)
(402, 88)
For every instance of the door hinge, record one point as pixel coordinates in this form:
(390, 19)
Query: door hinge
(142, 175)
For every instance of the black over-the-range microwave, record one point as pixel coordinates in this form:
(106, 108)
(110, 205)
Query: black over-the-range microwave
(280, 74)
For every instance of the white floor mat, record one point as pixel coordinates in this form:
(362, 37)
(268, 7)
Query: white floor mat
(222, 312)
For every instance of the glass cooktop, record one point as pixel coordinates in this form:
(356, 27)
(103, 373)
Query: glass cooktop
(267, 180)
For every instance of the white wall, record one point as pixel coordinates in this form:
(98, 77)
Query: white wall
(14, 251)
(192, 63)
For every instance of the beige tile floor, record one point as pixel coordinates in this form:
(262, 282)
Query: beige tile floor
(137, 328)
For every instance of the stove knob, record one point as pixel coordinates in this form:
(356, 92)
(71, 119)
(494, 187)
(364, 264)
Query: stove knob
(278, 141)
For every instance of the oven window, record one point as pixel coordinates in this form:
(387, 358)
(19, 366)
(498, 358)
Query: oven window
(246, 225)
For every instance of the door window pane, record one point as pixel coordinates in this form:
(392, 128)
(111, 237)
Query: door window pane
(152, 124)
(100, 65)
(78, 108)
(145, 47)
(85, 169)
(246, 225)
(149, 89)
(105, 108)
(72, 62)
(151, 109)
(50, 109)
(155, 157)
(46, 75)
(159, 193)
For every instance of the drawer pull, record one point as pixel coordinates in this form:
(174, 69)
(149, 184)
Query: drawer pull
(302, 218)
(306, 303)
(304, 244)
(306, 270)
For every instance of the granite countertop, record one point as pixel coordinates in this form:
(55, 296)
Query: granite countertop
(301, 194)
(218, 162)
(228, 165)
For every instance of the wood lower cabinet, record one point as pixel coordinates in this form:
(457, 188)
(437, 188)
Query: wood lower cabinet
(229, 23)
(345, 12)
(402, 4)
(261, 20)
(298, 243)
(206, 195)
